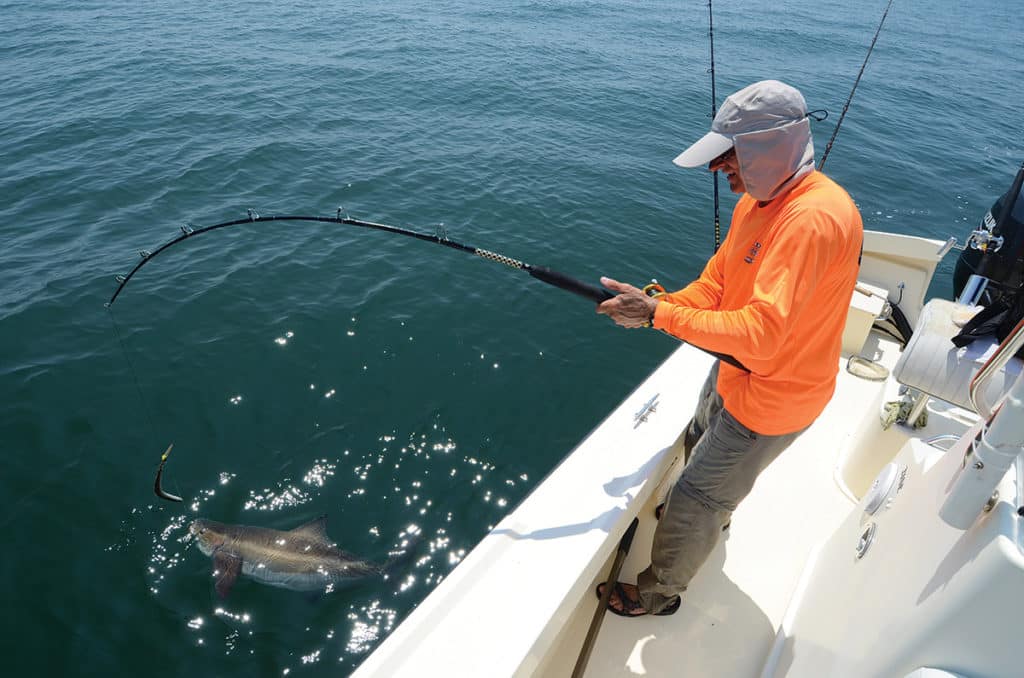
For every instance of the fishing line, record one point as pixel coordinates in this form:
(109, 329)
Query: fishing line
(157, 485)
(855, 83)
(542, 273)
(131, 368)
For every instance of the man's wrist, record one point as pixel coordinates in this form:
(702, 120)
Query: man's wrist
(650, 319)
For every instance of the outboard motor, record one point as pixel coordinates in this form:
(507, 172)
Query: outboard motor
(994, 251)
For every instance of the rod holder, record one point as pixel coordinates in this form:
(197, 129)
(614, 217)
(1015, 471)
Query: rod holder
(973, 291)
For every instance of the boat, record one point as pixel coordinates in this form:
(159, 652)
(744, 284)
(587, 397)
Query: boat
(868, 548)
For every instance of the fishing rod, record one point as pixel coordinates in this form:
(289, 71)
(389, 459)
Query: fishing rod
(714, 111)
(856, 82)
(552, 277)
(542, 273)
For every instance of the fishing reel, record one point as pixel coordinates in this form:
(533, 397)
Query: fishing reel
(995, 249)
(654, 289)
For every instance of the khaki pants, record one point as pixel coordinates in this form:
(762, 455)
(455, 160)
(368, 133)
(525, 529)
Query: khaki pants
(722, 468)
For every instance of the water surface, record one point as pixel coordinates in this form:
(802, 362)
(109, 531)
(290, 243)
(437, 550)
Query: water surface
(395, 386)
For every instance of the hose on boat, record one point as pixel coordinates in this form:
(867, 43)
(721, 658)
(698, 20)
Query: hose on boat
(901, 322)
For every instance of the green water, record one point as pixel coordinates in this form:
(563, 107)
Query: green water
(391, 384)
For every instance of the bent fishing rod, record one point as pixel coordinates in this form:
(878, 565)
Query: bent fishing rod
(542, 273)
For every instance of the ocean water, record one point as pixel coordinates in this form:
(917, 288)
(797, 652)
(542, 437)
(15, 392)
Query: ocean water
(405, 390)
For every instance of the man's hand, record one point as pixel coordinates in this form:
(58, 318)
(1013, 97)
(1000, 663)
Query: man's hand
(631, 308)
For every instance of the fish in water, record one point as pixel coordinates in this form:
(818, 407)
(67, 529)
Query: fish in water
(301, 559)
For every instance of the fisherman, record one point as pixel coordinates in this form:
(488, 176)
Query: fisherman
(775, 297)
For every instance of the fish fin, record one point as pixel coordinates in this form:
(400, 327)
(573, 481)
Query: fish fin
(226, 569)
(316, 529)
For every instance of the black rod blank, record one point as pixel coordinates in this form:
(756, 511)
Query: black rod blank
(542, 273)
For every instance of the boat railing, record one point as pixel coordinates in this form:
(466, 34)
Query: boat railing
(999, 358)
(997, 446)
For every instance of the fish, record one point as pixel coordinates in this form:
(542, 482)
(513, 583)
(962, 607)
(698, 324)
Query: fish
(300, 559)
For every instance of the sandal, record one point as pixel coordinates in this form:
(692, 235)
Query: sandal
(634, 608)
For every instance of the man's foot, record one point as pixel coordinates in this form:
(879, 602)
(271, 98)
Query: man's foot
(625, 601)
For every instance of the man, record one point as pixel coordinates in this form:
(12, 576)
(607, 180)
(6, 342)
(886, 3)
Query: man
(775, 297)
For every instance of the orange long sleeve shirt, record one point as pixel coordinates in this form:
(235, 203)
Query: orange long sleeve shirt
(775, 296)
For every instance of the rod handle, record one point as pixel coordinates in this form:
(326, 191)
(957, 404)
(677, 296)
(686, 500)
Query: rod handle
(724, 357)
(599, 294)
(570, 284)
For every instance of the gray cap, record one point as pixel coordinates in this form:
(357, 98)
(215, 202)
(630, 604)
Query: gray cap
(762, 106)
